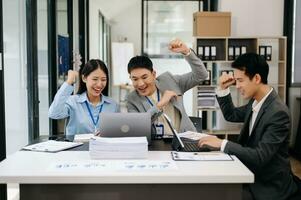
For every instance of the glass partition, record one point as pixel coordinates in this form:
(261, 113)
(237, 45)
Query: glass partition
(42, 29)
(296, 59)
(164, 21)
(100, 36)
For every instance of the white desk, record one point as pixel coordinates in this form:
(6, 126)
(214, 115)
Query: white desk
(195, 179)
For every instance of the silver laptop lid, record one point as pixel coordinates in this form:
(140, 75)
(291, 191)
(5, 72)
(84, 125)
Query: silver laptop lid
(174, 131)
(125, 125)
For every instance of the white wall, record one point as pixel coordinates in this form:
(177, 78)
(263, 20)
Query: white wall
(127, 24)
(16, 114)
(256, 17)
(124, 18)
(94, 29)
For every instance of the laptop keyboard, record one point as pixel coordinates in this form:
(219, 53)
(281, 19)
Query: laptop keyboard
(192, 145)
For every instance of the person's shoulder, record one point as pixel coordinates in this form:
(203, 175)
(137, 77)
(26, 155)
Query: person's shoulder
(109, 100)
(277, 106)
(78, 98)
(166, 77)
(132, 95)
(133, 98)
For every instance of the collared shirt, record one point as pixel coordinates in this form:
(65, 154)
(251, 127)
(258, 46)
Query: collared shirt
(170, 111)
(255, 108)
(74, 107)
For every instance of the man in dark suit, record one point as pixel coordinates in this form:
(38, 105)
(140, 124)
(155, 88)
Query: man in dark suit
(263, 141)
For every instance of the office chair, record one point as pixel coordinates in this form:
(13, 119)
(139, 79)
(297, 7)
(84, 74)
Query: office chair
(197, 122)
(61, 136)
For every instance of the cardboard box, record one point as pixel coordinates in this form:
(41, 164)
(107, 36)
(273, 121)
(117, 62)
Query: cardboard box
(212, 24)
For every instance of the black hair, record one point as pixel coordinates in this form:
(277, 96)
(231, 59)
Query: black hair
(89, 67)
(251, 64)
(140, 62)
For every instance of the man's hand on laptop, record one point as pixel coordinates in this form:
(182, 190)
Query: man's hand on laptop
(167, 96)
(211, 142)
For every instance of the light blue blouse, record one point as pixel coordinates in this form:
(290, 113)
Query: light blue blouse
(74, 107)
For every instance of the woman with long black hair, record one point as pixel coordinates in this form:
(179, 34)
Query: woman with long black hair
(83, 108)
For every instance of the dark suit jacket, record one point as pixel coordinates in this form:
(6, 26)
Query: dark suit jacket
(265, 152)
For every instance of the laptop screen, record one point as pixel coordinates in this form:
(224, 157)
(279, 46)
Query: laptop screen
(125, 125)
(175, 133)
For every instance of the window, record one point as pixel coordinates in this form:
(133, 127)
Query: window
(164, 21)
(296, 50)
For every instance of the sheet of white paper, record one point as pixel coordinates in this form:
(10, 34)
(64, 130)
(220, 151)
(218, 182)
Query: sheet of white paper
(201, 156)
(113, 165)
(83, 137)
(193, 135)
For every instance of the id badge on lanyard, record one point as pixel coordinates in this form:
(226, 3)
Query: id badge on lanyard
(92, 118)
(159, 126)
(159, 130)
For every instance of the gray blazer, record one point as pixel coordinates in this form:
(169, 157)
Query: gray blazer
(265, 152)
(177, 83)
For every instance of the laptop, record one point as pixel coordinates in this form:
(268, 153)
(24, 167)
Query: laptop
(197, 122)
(125, 125)
(184, 144)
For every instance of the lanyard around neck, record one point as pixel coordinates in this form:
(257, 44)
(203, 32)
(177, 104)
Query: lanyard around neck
(91, 116)
(158, 98)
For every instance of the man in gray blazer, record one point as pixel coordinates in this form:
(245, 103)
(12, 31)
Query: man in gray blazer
(164, 93)
(263, 141)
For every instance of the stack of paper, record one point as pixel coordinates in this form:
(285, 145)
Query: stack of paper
(83, 137)
(206, 97)
(193, 135)
(118, 148)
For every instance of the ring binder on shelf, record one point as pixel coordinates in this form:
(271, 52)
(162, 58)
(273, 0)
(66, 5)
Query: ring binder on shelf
(213, 52)
(262, 51)
(201, 52)
(243, 49)
(268, 53)
(237, 52)
(231, 53)
(207, 53)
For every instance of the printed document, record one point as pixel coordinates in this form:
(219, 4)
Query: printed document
(113, 165)
(193, 135)
(83, 137)
(201, 156)
(52, 146)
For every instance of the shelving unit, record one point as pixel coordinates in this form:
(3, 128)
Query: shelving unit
(213, 120)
